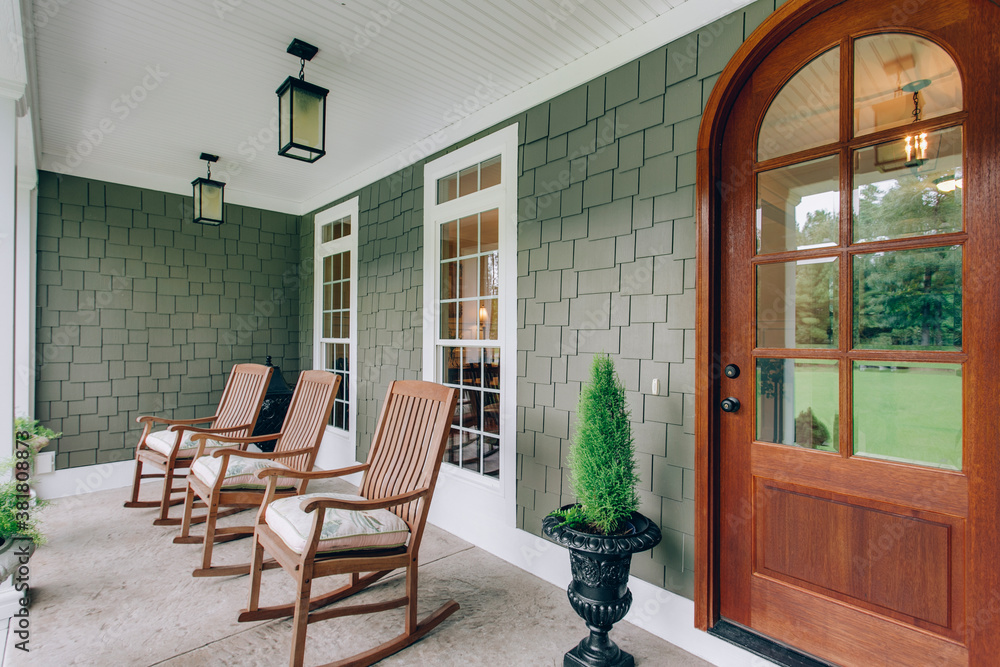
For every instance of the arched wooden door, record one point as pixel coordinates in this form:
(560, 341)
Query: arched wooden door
(849, 336)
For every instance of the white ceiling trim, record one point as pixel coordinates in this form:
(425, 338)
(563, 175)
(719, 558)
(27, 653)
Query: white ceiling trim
(664, 29)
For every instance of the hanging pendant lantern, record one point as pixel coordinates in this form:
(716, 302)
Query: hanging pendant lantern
(301, 111)
(209, 196)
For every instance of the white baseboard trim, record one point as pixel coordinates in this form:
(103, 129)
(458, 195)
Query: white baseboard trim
(85, 479)
(10, 599)
(658, 611)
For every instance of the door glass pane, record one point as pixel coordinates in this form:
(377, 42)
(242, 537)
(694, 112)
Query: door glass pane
(909, 412)
(908, 299)
(798, 402)
(797, 304)
(891, 67)
(805, 114)
(798, 206)
(900, 193)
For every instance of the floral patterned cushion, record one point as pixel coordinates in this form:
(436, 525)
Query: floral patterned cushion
(163, 442)
(343, 530)
(240, 473)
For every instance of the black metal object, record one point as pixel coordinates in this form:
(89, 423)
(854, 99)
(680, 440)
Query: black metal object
(765, 647)
(599, 591)
(274, 408)
(730, 404)
(297, 101)
(732, 371)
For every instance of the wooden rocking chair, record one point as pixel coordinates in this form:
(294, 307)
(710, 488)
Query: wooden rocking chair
(173, 450)
(319, 534)
(226, 477)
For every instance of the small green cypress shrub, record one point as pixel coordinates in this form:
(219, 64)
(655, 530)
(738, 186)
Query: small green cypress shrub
(602, 455)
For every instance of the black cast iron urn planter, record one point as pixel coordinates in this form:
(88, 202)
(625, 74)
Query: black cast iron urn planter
(599, 591)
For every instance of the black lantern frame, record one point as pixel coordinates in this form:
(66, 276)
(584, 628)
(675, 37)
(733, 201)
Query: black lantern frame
(295, 97)
(204, 190)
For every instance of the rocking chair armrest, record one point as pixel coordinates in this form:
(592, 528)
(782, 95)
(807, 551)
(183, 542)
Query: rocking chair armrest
(234, 439)
(313, 504)
(315, 474)
(273, 455)
(197, 429)
(143, 419)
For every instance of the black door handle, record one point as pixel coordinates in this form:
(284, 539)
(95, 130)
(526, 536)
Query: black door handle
(730, 404)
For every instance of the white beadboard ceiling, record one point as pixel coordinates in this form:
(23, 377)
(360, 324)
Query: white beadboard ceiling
(131, 91)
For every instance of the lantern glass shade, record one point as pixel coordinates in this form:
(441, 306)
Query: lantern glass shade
(301, 120)
(208, 201)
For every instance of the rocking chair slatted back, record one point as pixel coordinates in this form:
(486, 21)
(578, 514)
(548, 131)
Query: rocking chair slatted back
(242, 397)
(408, 445)
(307, 417)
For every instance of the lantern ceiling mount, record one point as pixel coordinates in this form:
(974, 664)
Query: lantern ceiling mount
(301, 111)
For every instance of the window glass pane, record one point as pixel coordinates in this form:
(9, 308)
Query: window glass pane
(451, 364)
(468, 180)
(449, 280)
(489, 274)
(489, 236)
(909, 299)
(447, 188)
(468, 277)
(449, 239)
(327, 269)
(449, 320)
(898, 195)
(335, 266)
(470, 453)
(798, 402)
(468, 235)
(491, 457)
(805, 113)
(797, 304)
(345, 267)
(891, 67)
(345, 295)
(491, 367)
(909, 412)
(489, 173)
(471, 367)
(798, 206)
(488, 316)
(469, 320)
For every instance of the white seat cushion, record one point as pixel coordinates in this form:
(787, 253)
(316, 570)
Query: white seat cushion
(343, 530)
(240, 473)
(163, 442)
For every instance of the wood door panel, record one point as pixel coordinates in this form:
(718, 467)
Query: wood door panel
(843, 634)
(888, 559)
(936, 490)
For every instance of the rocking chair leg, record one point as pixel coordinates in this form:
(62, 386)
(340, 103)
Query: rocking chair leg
(300, 623)
(256, 569)
(186, 521)
(209, 542)
(136, 480)
(168, 484)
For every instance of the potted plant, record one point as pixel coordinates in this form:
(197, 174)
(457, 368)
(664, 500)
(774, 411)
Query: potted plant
(19, 530)
(603, 528)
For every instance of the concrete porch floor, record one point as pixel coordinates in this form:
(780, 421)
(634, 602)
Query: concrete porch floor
(109, 588)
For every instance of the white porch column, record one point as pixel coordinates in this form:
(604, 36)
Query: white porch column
(8, 216)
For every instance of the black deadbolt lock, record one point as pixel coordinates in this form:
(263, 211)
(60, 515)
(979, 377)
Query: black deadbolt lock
(732, 371)
(730, 404)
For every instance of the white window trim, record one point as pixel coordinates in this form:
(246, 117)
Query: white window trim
(343, 244)
(504, 197)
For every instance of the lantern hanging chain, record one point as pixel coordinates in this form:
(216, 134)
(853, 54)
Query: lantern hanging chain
(209, 165)
(916, 106)
(302, 69)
